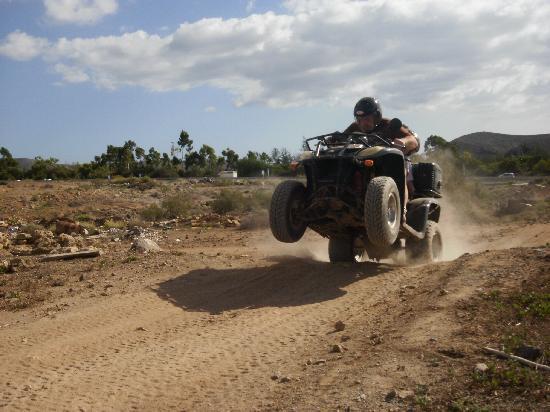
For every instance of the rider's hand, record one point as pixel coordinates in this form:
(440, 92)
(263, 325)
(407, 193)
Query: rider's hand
(399, 144)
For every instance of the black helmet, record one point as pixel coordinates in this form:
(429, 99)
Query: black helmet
(368, 105)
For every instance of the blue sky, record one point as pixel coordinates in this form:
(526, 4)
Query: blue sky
(77, 75)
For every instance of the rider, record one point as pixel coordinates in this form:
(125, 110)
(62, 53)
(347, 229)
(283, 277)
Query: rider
(368, 119)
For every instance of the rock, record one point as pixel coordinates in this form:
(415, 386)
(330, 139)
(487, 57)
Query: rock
(390, 396)
(21, 251)
(443, 292)
(4, 266)
(39, 235)
(70, 249)
(339, 326)
(337, 348)
(376, 339)
(18, 262)
(57, 282)
(320, 362)
(67, 226)
(362, 398)
(43, 249)
(285, 379)
(481, 368)
(452, 353)
(144, 245)
(275, 376)
(66, 240)
(79, 241)
(531, 353)
(23, 237)
(405, 395)
(4, 241)
(141, 329)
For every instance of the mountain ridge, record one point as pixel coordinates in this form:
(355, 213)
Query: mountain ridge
(486, 145)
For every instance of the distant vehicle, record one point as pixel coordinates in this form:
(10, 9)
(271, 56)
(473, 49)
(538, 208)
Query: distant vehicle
(507, 176)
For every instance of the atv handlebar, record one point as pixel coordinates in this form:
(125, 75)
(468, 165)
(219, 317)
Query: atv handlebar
(339, 139)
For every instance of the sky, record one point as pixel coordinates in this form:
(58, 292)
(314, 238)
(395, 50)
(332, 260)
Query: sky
(77, 75)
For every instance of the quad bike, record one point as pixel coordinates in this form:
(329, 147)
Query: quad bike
(354, 196)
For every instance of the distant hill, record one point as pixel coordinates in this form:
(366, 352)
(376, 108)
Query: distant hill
(24, 163)
(485, 145)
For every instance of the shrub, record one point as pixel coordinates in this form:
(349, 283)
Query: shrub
(112, 224)
(152, 212)
(141, 183)
(228, 201)
(176, 206)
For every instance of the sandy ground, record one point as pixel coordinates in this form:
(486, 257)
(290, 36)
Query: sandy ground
(231, 320)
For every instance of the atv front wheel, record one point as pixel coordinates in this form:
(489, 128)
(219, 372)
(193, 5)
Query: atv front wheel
(428, 249)
(382, 211)
(345, 249)
(286, 203)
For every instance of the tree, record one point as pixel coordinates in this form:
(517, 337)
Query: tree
(9, 168)
(231, 159)
(285, 157)
(252, 155)
(192, 159)
(152, 159)
(44, 169)
(435, 142)
(250, 167)
(185, 142)
(208, 154)
(275, 155)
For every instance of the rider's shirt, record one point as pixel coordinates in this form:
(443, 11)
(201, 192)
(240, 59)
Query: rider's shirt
(384, 130)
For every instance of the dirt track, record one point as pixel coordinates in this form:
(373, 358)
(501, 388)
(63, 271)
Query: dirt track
(222, 328)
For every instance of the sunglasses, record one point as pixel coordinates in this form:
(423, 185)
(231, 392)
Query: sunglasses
(362, 116)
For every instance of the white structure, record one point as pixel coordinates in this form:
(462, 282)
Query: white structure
(228, 174)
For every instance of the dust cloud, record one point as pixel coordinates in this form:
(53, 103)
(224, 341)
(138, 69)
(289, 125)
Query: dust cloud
(460, 235)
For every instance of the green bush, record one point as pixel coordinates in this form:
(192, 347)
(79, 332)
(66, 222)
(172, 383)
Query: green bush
(176, 206)
(228, 201)
(114, 224)
(152, 212)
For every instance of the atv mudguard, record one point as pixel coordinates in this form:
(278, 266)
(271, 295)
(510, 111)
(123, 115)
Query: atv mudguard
(420, 210)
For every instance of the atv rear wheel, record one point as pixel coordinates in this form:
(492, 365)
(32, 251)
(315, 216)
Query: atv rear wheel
(286, 203)
(428, 249)
(346, 249)
(382, 211)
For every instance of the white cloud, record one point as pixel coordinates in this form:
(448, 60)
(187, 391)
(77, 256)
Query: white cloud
(425, 53)
(79, 11)
(20, 46)
(71, 74)
(210, 109)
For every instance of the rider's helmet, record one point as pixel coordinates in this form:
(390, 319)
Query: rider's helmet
(366, 106)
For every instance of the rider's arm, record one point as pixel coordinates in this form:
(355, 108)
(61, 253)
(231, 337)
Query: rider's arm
(408, 139)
